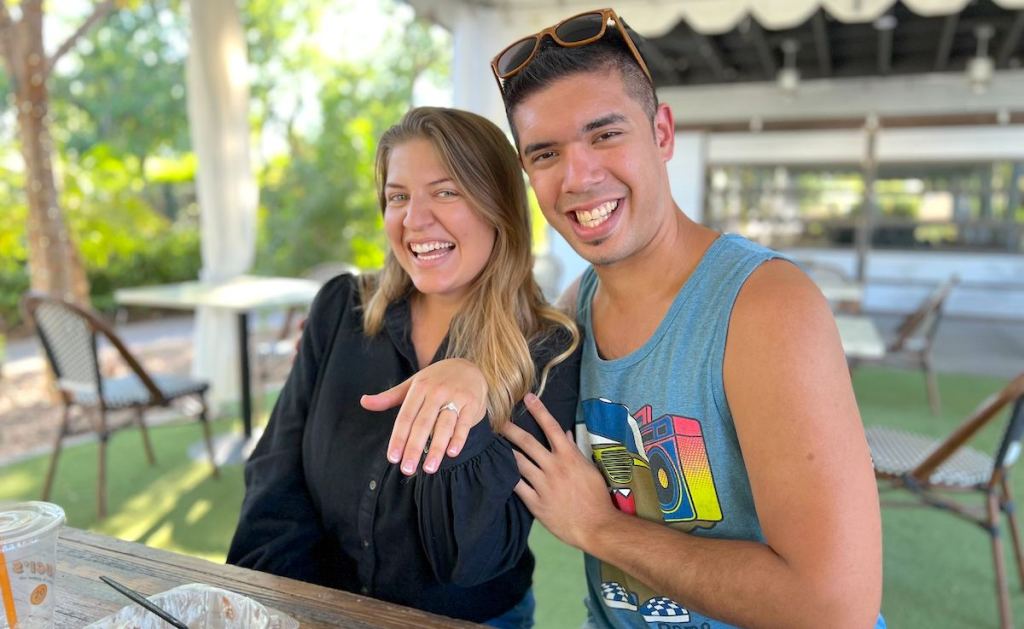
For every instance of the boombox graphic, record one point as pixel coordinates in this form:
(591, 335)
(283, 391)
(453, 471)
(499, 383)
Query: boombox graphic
(656, 469)
(679, 467)
(669, 451)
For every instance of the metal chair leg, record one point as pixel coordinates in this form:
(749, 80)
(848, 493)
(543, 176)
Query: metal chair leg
(51, 472)
(144, 431)
(932, 384)
(101, 477)
(1002, 591)
(1009, 508)
(204, 420)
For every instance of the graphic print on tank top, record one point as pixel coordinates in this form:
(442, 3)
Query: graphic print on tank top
(656, 468)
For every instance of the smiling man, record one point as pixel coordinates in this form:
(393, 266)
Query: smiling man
(728, 480)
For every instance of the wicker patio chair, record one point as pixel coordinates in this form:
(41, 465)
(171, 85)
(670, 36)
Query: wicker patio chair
(69, 335)
(935, 470)
(915, 337)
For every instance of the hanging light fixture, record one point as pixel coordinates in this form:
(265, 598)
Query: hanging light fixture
(981, 66)
(788, 77)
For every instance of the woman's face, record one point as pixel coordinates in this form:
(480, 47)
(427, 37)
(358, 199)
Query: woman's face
(435, 234)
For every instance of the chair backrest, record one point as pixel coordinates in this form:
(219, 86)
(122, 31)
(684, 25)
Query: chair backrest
(924, 322)
(1009, 444)
(1009, 448)
(69, 341)
(69, 336)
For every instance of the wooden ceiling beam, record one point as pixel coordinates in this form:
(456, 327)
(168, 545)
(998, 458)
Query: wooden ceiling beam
(764, 51)
(1012, 41)
(946, 41)
(885, 38)
(712, 54)
(821, 44)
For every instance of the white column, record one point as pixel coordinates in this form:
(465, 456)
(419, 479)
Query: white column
(478, 32)
(686, 172)
(218, 102)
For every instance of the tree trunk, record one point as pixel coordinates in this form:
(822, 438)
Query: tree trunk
(54, 264)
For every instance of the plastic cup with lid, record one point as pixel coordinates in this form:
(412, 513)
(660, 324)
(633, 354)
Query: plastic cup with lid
(28, 563)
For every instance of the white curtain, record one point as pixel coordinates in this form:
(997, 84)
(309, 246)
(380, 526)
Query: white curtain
(218, 110)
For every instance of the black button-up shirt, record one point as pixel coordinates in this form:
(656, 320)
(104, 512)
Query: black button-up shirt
(324, 505)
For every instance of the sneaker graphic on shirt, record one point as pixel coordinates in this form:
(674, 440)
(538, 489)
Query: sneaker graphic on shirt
(618, 597)
(664, 609)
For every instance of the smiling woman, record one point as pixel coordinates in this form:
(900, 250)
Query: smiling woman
(437, 237)
(456, 317)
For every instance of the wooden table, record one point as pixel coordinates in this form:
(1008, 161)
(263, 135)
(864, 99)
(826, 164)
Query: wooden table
(82, 598)
(240, 295)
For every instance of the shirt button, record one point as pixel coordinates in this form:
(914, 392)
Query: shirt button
(373, 485)
(366, 543)
(364, 590)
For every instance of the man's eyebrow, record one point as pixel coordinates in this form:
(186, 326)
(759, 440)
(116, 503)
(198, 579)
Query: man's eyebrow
(593, 125)
(603, 121)
(537, 146)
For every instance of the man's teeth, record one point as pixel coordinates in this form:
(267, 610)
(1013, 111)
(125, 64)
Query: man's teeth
(593, 218)
(426, 250)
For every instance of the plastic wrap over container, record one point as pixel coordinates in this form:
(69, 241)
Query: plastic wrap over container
(200, 607)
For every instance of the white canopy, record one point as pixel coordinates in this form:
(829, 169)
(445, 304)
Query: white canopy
(711, 17)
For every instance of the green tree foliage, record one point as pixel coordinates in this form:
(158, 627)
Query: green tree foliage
(124, 163)
(125, 88)
(318, 202)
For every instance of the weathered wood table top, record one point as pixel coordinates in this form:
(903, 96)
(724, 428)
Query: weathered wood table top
(82, 598)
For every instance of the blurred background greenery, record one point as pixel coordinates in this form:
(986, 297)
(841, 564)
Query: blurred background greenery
(125, 168)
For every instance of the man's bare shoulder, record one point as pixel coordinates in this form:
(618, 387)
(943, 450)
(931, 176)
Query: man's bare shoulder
(778, 293)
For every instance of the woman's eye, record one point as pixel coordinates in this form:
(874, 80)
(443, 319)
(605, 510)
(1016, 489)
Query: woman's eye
(447, 193)
(397, 198)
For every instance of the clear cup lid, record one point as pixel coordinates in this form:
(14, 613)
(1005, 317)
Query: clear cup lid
(22, 521)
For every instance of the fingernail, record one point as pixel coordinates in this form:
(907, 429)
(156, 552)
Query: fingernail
(394, 456)
(408, 469)
(530, 398)
(453, 451)
(430, 467)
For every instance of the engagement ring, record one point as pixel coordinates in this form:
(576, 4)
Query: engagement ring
(449, 406)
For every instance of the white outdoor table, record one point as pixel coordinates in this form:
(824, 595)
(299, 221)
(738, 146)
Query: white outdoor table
(860, 337)
(839, 291)
(241, 295)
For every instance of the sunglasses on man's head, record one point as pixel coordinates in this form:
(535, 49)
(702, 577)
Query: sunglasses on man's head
(578, 30)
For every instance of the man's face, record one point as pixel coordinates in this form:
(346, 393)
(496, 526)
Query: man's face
(595, 164)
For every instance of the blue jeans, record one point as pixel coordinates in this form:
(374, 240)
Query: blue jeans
(519, 617)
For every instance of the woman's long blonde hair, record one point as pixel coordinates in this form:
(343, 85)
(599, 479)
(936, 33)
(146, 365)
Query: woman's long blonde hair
(504, 312)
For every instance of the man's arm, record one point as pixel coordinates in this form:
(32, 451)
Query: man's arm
(803, 444)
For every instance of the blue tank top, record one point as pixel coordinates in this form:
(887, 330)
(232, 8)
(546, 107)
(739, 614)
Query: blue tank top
(658, 425)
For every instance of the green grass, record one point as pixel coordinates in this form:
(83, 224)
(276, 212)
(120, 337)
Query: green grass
(938, 568)
(176, 504)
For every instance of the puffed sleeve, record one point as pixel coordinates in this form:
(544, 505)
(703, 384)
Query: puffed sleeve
(279, 527)
(473, 527)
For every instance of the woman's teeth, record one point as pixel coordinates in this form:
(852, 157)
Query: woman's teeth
(430, 250)
(593, 218)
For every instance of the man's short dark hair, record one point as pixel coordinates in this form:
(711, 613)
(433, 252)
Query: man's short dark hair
(553, 62)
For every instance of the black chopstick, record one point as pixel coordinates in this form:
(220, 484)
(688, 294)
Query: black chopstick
(142, 600)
